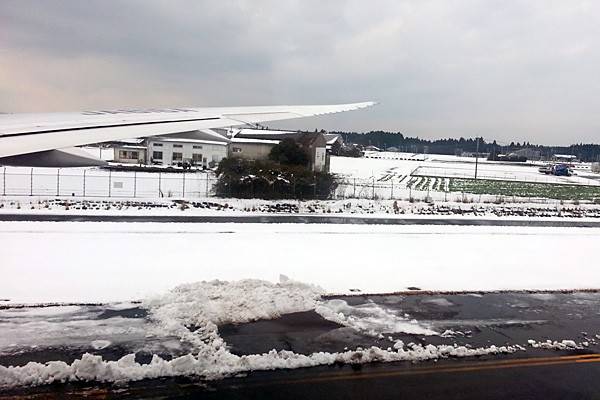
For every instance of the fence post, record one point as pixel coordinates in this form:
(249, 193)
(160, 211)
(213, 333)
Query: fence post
(4, 183)
(159, 187)
(183, 186)
(392, 196)
(373, 196)
(58, 182)
(84, 171)
(207, 184)
(109, 182)
(31, 183)
(354, 196)
(134, 183)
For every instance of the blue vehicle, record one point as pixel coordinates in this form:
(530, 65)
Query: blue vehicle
(561, 170)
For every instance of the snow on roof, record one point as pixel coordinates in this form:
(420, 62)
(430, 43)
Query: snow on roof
(564, 156)
(130, 146)
(257, 141)
(331, 139)
(205, 136)
(183, 140)
(130, 141)
(266, 132)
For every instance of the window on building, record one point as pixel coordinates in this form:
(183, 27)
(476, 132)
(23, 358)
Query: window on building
(196, 157)
(157, 144)
(197, 147)
(128, 155)
(178, 146)
(157, 155)
(236, 150)
(177, 156)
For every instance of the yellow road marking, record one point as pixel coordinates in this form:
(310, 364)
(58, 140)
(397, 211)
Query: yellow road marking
(479, 366)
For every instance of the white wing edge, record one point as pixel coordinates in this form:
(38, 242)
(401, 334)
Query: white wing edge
(18, 138)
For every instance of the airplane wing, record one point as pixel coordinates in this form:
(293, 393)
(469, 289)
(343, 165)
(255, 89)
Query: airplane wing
(22, 134)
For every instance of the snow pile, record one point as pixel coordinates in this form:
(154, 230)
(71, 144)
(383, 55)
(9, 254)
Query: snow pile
(556, 345)
(222, 302)
(204, 305)
(370, 319)
(192, 313)
(94, 368)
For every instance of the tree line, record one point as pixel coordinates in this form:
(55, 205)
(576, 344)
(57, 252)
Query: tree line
(385, 140)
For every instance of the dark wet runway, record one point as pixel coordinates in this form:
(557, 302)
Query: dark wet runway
(302, 219)
(477, 320)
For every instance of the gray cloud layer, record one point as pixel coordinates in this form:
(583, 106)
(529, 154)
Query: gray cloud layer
(518, 70)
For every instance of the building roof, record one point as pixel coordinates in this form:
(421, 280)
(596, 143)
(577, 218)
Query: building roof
(182, 140)
(265, 136)
(564, 156)
(331, 138)
(132, 141)
(207, 136)
(258, 132)
(130, 146)
(308, 138)
(254, 140)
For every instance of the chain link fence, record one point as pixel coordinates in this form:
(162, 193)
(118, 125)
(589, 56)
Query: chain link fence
(69, 182)
(104, 183)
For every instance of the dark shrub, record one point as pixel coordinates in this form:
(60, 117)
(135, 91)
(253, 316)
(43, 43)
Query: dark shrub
(270, 180)
(287, 152)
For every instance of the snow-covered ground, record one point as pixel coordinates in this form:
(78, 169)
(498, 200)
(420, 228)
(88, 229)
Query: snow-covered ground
(379, 176)
(398, 165)
(349, 207)
(89, 262)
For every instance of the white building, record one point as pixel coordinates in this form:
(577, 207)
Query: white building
(256, 144)
(200, 148)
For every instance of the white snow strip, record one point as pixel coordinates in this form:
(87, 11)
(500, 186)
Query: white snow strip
(370, 319)
(565, 344)
(220, 364)
(102, 262)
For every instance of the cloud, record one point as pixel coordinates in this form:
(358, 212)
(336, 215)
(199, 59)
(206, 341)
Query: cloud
(508, 70)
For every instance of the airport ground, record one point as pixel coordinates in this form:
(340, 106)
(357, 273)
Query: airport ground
(478, 283)
(552, 373)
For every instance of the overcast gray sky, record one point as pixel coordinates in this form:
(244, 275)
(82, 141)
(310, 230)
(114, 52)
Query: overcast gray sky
(511, 70)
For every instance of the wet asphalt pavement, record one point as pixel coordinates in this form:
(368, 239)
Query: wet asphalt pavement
(477, 320)
(302, 219)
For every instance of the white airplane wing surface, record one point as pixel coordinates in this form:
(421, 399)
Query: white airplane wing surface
(32, 133)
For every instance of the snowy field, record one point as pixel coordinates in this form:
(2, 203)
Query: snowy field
(91, 262)
(50, 205)
(399, 165)
(395, 176)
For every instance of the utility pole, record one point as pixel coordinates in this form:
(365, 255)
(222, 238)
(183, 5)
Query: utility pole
(476, 158)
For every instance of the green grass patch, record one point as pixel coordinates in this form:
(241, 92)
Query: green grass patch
(525, 189)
